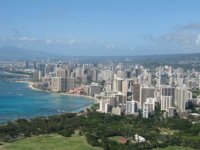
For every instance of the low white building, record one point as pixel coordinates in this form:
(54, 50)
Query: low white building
(139, 138)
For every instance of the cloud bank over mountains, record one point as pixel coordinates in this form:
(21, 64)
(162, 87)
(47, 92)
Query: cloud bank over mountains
(181, 39)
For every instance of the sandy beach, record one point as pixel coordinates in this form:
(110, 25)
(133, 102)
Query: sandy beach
(85, 96)
(30, 85)
(76, 95)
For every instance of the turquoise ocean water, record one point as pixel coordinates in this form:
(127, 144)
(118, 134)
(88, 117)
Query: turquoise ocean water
(17, 100)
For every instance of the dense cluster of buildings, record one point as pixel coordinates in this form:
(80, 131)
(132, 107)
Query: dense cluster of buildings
(69, 78)
(136, 89)
(122, 89)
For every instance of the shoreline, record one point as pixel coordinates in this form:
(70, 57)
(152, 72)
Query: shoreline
(30, 85)
(76, 95)
(88, 106)
(90, 100)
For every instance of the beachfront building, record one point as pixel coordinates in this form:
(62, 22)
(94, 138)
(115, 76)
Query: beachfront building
(95, 88)
(58, 84)
(70, 83)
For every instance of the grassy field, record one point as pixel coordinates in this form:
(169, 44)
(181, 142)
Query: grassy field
(174, 148)
(50, 142)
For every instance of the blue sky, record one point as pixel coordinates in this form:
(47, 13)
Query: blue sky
(101, 27)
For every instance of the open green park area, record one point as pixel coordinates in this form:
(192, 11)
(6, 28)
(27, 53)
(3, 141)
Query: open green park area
(50, 142)
(58, 142)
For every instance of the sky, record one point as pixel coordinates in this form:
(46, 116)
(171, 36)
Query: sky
(101, 27)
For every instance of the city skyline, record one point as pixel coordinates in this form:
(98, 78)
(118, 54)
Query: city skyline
(99, 75)
(96, 28)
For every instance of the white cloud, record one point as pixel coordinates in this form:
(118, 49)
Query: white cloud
(184, 38)
(23, 38)
(48, 41)
(60, 42)
(110, 46)
(71, 42)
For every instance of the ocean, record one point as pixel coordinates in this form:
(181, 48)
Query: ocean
(17, 100)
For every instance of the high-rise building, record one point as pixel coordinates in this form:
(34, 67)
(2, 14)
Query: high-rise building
(49, 68)
(164, 79)
(179, 79)
(146, 92)
(148, 107)
(113, 100)
(58, 84)
(131, 107)
(103, 106)
(70, 83)
(95, 88)
(136, 92)
(125, 86)
(181, 97)
(60, 72)
(120, 74)
(121, 101)
(167, 90)
(107, 75)
(149, 79)
(117, 84)
(78, 72)
(36, 77)
(166, 103)
(94, 74)
(41, 68)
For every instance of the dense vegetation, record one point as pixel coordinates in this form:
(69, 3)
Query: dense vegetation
(99, 127)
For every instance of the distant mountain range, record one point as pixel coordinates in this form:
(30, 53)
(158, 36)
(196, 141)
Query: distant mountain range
(7, 53)
(20, 53)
